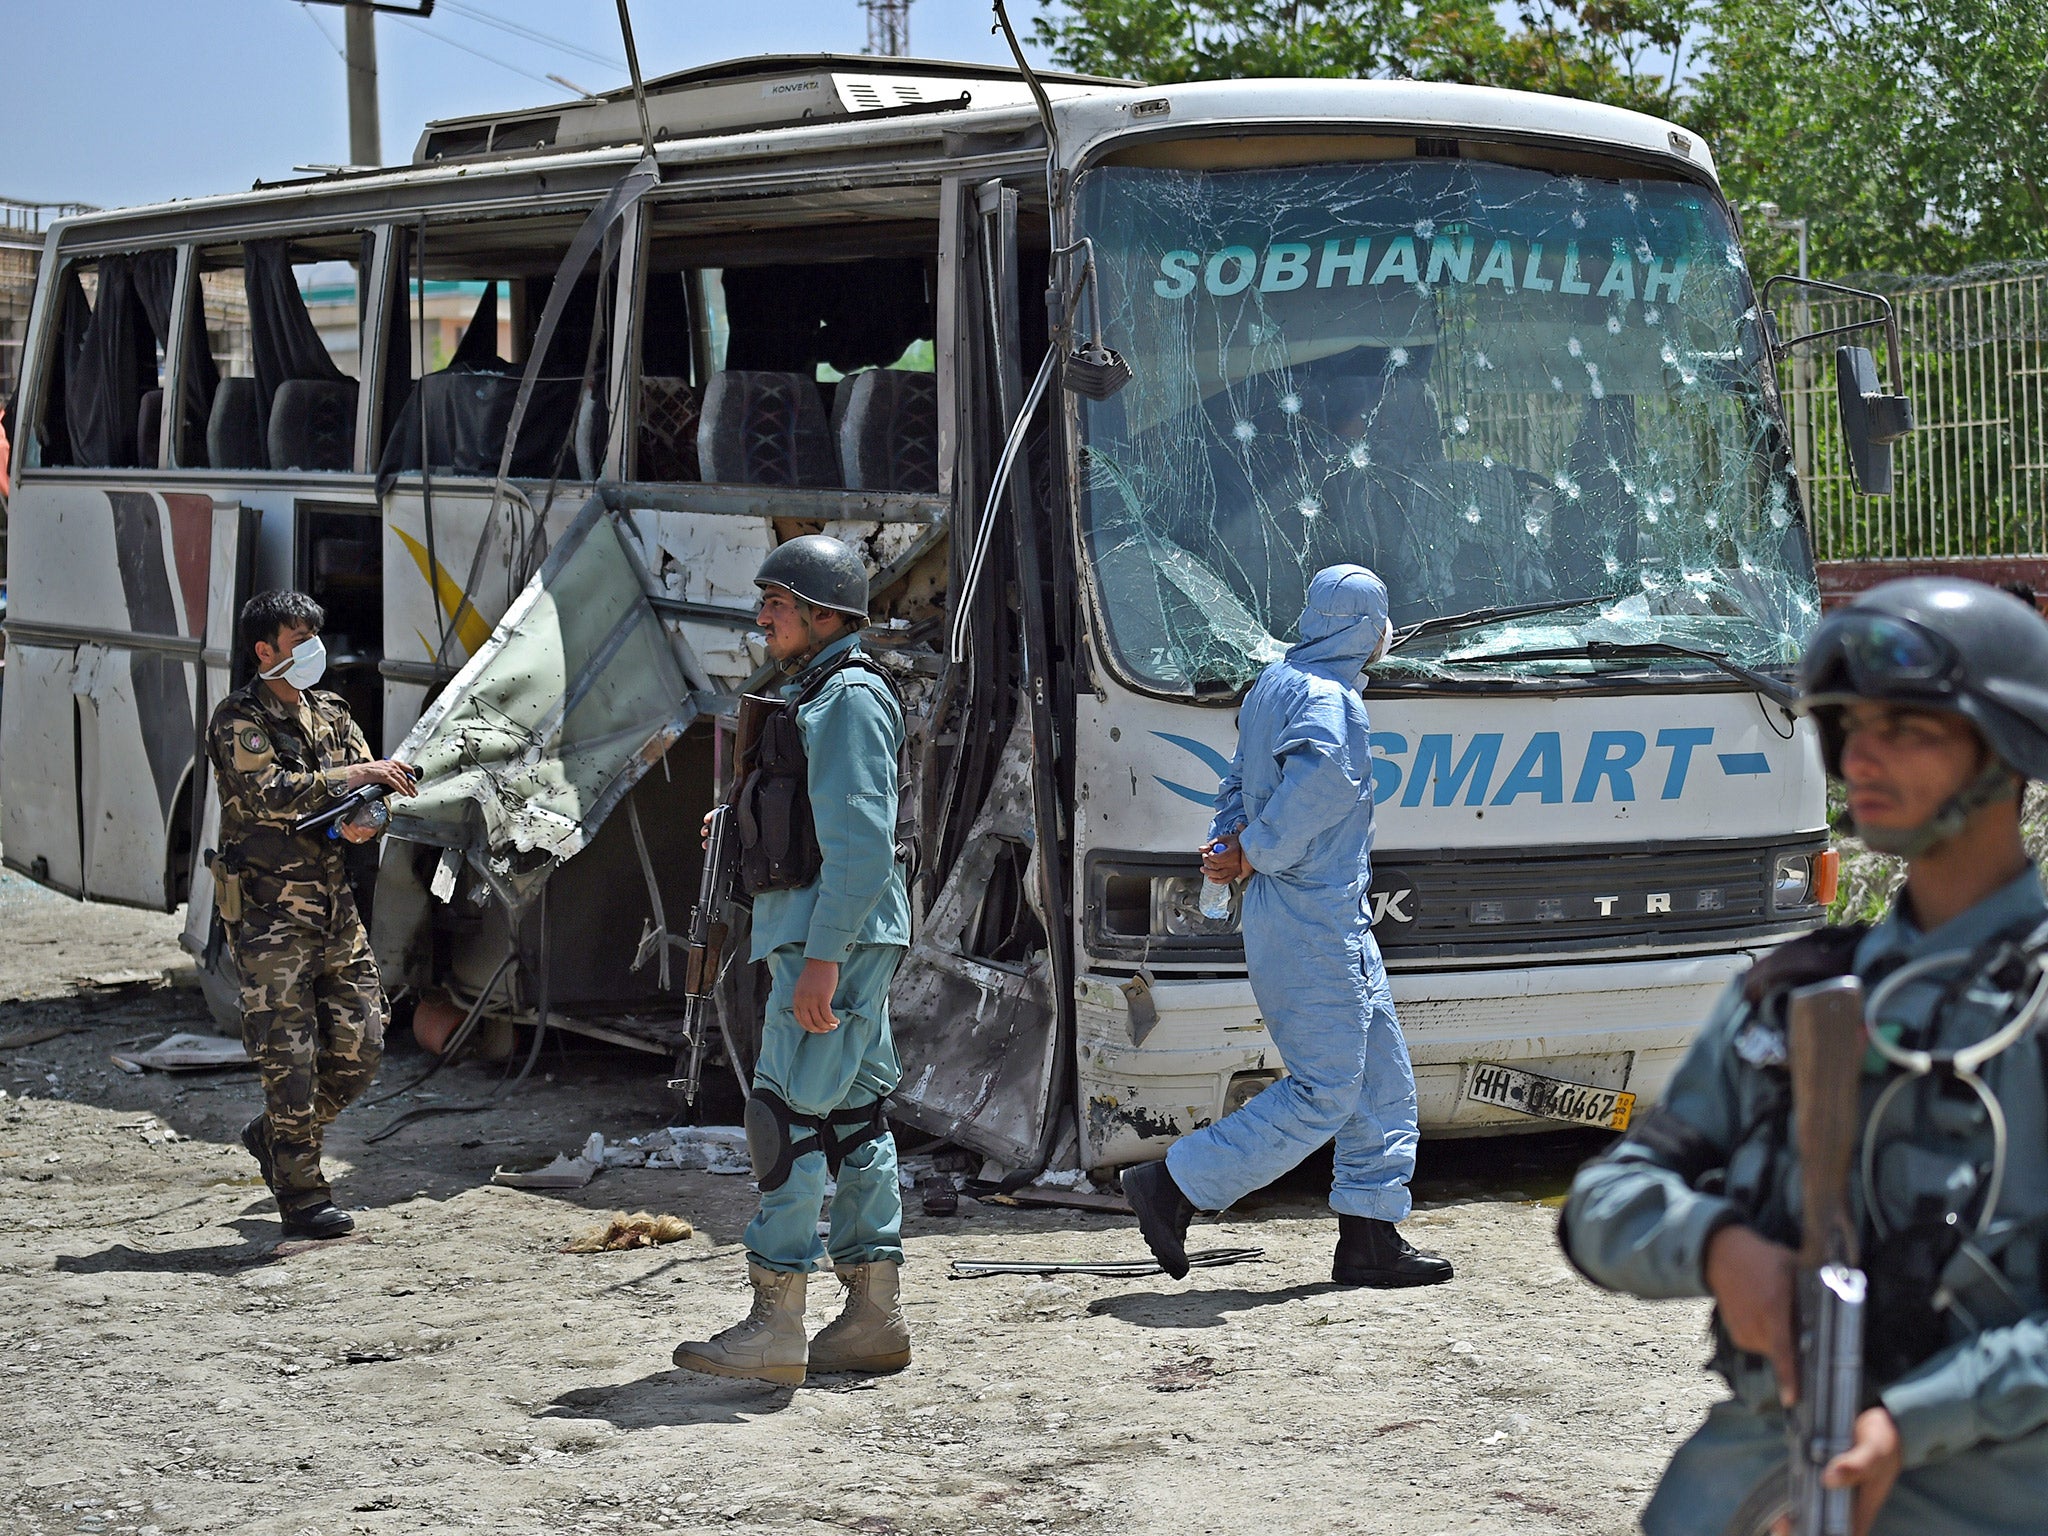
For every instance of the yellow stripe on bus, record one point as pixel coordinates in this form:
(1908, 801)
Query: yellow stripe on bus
(468, 624)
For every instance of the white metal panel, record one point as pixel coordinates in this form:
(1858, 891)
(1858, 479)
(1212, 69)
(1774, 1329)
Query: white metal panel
(39, 767)
(1630, 768)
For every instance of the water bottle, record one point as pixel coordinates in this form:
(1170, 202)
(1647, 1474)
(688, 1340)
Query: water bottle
(1215, 902)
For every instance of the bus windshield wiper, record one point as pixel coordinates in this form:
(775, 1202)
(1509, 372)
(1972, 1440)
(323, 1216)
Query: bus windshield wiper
(1479, 616)
(1775, 689)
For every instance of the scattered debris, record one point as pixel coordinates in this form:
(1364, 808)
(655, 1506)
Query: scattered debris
(185, 1053)
(720, 1149)
(938, 1195)
(1061, 1199)
(154, 1131)
(642, 1229)
(22, 1037)
(115, 981)
(184, 976)
(1182, 1375)
(562, 1172)
(1114, 1269)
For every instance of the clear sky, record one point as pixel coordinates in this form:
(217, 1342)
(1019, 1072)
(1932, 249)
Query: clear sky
(129, 101)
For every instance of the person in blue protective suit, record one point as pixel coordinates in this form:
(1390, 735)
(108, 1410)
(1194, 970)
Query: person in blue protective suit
(1294, 817)
(821, 853)
(1931, 698)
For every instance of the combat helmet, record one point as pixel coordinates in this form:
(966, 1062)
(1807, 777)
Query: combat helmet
(822, 571)
(1937, 643)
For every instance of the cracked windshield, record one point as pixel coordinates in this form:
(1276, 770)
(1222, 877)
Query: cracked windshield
(1501, 388)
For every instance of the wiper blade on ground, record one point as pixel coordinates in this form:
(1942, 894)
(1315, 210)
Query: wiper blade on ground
(1478, 616)
(1775, 689)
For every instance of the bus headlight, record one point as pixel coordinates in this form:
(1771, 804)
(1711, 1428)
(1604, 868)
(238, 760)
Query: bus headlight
(1805, 879)
(1141, 905)
(1177, 909)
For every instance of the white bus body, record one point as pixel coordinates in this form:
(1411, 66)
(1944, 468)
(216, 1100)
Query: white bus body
(1502, 347)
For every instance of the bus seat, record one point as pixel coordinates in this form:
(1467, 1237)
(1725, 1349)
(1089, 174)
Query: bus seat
(762, 428)
(149, 420)
(313, 424)
(886, 428)
(232, 438)
(669, 415)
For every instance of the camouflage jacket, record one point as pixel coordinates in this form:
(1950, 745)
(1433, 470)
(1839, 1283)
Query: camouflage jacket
(275, 764)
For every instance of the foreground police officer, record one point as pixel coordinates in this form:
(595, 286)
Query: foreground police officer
(313, 1010)
(820, 840)
(1932, 700)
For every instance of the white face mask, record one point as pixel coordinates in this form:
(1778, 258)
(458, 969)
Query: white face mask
(1386, 642)
(306, 665)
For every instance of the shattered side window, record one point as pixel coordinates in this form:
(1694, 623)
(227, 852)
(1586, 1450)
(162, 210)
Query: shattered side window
(1498, 387)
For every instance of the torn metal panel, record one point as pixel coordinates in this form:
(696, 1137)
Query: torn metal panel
(578, 692)
(977, 1038)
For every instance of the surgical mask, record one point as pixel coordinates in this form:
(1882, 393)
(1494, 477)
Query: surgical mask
(306, 665)
(1386, 643)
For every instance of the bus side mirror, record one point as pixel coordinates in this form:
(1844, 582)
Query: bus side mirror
(1871, 420)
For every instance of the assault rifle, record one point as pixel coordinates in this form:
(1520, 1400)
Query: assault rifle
(704, 954)
(1824, 1049)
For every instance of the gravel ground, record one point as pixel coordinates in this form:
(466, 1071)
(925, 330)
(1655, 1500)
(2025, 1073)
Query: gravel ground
(170, 1367)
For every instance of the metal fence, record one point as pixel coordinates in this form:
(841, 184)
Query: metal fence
(1972, 479)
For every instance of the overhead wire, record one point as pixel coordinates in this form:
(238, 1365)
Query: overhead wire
(530, 34)
(325, 36)
(473, 52)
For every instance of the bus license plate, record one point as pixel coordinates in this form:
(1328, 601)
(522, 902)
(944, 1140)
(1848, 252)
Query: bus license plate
(1548, 1098)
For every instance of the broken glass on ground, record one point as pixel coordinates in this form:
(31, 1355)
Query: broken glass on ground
(1497, 386)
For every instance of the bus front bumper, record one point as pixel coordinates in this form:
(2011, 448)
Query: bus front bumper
(1614, 1025)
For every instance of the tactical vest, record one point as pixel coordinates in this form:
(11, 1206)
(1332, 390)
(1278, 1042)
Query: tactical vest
(778, 835)
(1921, 1276)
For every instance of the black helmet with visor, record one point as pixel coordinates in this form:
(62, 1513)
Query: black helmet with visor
(1941, 643)
(1937, 643)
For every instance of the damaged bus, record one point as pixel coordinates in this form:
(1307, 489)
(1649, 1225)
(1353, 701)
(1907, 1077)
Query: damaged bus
(1096, 376)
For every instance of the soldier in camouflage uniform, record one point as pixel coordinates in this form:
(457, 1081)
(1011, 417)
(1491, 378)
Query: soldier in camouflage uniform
(313, 1009)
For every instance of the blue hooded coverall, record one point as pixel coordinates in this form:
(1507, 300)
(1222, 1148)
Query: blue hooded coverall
(856, 913)
(1973, 1419)
(1301, 788)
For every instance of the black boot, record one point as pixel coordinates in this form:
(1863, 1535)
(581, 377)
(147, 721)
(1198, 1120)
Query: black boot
(324, 1220)
(1163, 1214)
(256, 1137)
(1374, 1253)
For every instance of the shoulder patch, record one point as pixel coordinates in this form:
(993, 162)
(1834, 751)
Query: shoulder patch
(252, 747)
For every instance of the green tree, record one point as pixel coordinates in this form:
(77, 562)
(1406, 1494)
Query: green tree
(1628, 52)
(1911, 134)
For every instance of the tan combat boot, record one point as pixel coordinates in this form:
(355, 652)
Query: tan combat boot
(870, 1335)
(768, 1345)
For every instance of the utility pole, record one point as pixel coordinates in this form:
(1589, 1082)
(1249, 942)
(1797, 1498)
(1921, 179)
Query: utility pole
(365, 134)
(888, 27)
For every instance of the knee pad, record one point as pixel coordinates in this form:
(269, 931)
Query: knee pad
(772, 1143)
(850, 1128)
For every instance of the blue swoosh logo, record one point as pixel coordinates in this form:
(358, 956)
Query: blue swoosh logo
(1209, 757)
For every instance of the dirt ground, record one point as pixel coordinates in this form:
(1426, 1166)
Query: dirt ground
(167, 1366)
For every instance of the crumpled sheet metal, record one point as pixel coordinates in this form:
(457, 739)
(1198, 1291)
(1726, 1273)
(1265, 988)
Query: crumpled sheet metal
(577, 693)
(976, 1039)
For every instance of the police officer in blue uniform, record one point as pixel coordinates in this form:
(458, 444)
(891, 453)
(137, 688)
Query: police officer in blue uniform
(824, 835)
(1931, 696)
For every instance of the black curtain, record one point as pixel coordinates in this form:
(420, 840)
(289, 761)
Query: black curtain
(665, 334)
(478, 348)
(114, 365)
(850, 314)
(156, 276)
(74, 316)
(398, 327)
(282, 340)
